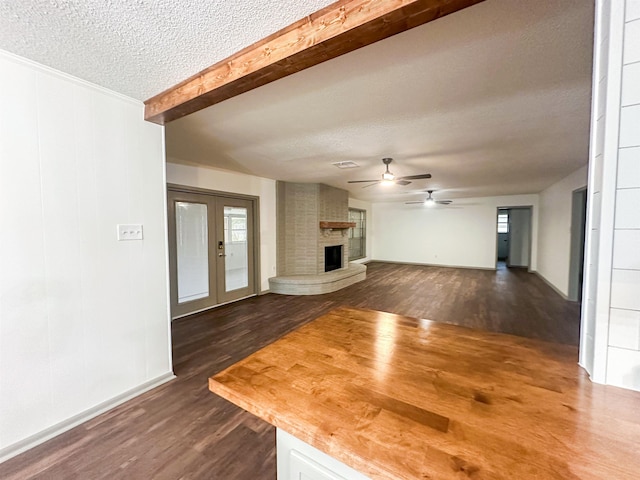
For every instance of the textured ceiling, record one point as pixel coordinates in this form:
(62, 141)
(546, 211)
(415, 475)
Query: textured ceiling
(140, 47)
(492, 100)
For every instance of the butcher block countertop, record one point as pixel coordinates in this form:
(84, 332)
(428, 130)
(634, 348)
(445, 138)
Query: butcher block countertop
(399, 398)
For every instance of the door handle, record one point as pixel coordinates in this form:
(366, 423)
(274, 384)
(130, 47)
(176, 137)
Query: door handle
(221, 254)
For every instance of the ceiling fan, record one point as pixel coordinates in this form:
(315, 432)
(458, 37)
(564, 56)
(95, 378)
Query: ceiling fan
(389, 178)
(430, 201)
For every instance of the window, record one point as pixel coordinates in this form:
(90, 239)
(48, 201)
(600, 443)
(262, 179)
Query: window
(235, 228)
(503, 223)
(357, 234)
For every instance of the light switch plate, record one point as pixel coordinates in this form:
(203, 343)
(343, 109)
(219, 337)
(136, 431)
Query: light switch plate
(130, 231)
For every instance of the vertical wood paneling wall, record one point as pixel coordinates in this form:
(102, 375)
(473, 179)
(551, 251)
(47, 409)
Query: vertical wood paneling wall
(83, 318)
(624, 330)
(610, 347)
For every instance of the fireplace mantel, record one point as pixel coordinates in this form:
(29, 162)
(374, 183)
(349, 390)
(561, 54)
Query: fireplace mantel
(337, 225)
(328, 227)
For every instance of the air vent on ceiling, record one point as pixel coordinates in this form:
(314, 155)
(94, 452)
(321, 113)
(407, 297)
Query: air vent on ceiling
(347, 164)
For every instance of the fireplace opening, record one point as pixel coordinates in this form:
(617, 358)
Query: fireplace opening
(332, 258)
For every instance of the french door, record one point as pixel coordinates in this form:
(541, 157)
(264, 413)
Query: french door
(211, 250)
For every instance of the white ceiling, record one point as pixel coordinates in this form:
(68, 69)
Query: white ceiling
(140, 47)
(491, 100)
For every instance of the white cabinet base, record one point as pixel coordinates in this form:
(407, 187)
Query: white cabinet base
(300, 461)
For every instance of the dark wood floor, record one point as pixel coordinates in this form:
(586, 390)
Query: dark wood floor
(182, 431)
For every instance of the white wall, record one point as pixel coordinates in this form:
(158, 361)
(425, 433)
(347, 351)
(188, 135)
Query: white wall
(461, 235)
(84, 319)
(231, 182)
(366, 206)
(554, 234)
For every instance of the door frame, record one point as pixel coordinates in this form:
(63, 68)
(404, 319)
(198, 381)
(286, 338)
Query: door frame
(178, 309)
(498, 235)
(517, 207)
(224, 295)
(176, 188)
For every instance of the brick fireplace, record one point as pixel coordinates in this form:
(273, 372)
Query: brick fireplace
(311, 217)
(300, 240)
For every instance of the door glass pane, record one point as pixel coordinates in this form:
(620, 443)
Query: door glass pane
(236, 264)
(192, 244)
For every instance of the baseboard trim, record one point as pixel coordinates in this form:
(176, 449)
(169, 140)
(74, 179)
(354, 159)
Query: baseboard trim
(432, 265)
(47, 434)
(184, 315)
(553, 287)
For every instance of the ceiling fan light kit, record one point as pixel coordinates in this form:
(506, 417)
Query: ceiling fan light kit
(430, 201)
(389, 178)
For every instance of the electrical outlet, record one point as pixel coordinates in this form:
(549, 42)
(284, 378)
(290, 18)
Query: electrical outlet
(130, 231)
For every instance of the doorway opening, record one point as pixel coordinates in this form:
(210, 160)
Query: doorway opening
(576, 257)
(503, 238)
(513, 237)
(213, 256)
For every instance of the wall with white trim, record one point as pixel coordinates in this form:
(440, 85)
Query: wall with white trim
(460, 235)
(554, 234)
(84, 318)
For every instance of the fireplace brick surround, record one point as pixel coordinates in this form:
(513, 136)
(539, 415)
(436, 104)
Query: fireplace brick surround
(301, 242)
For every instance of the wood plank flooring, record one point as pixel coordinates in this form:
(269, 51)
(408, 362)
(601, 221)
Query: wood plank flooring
(182, 431)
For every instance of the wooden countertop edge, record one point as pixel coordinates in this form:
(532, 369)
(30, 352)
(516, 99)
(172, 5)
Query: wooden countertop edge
(300, 385)
(365, 466)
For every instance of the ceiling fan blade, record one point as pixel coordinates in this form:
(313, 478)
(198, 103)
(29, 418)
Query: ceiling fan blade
(402, 182)
(411, 203)
(362, 181)
(444, 202)
(372, 184)
(416, 177)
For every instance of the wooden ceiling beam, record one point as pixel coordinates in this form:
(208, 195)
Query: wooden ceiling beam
(337, 29)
